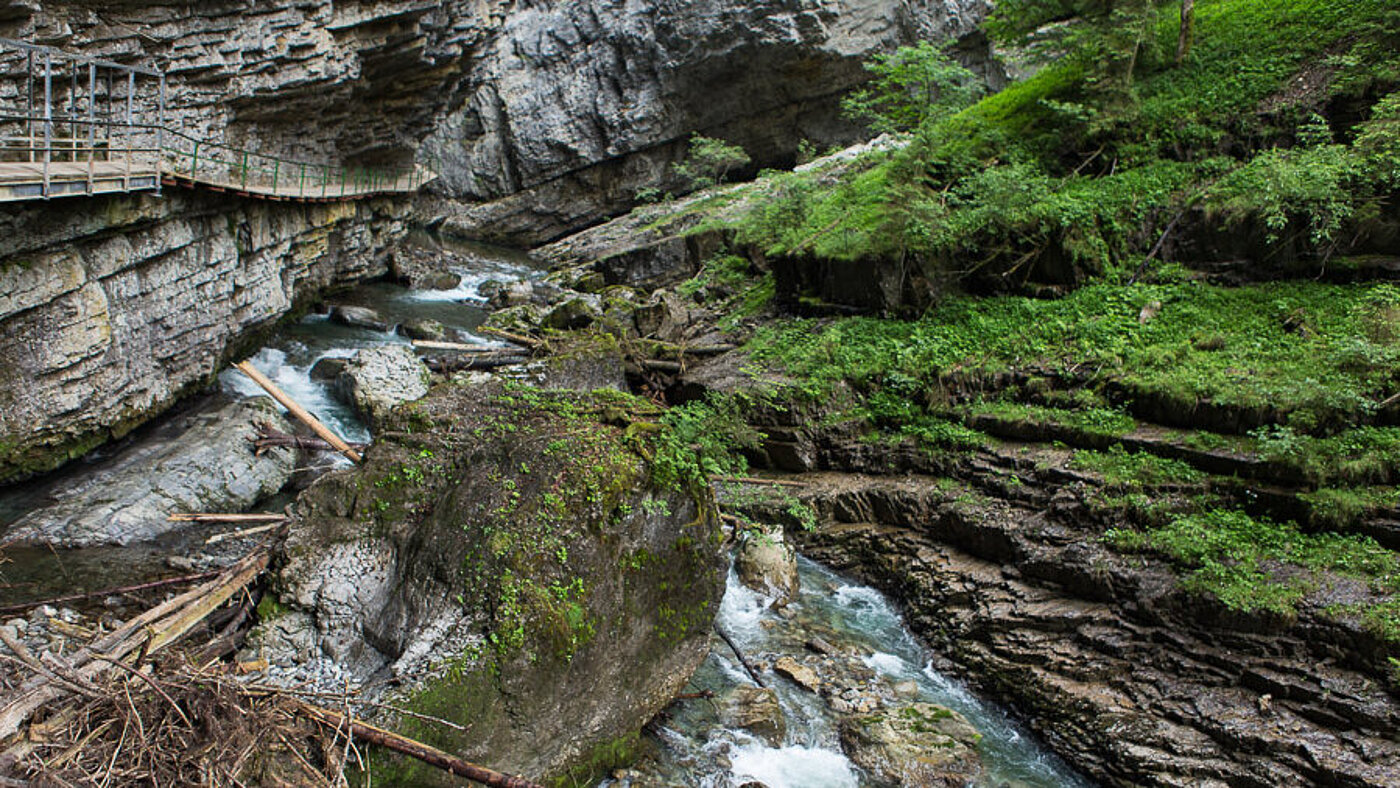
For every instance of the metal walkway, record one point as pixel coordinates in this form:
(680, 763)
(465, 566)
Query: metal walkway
(71, 125)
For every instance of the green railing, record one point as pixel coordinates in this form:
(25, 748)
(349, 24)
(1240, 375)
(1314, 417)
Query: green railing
(143, 148)
(225, 166)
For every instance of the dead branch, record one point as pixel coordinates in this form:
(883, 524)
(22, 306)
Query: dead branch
(58, 600)
(414, 749)
(753, 674)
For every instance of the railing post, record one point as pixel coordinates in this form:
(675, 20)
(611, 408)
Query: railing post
(130, 128)
(276, 165)
(48, 119)
(325, 179)
(245, 170)
(344, 172)
(92, 124)
(29, 103)
(301, 182)
(194, 161)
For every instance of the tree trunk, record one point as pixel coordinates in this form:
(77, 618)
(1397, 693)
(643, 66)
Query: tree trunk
(1188, 23)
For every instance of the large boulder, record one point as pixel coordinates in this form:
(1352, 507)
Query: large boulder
(200, 461)
(377, 379)
(766, 563)
(510, 561)
(920, 745)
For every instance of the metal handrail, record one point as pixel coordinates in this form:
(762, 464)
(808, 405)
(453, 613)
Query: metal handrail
(237, 168)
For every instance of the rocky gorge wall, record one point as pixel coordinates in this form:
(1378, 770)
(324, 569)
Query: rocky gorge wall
(112, 308)
(574, 107)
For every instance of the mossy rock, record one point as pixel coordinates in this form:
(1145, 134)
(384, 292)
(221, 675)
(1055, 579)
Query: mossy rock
(486, 553)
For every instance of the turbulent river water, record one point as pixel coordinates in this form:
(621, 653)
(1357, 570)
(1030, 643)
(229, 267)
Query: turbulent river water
(690, 746)
(694, 748)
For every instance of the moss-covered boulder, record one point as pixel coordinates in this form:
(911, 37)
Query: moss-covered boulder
(542, 568)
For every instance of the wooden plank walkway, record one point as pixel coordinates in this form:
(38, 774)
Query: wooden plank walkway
(313, 190)
(25, 181)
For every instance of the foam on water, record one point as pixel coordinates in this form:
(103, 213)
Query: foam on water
(296, 381)
(742, 610)
(889, 664)
(792, 767)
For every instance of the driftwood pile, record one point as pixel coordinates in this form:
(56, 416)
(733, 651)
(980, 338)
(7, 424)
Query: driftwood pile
(157, 702)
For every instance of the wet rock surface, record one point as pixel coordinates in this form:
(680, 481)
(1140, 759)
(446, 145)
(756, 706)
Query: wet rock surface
(767, 563)
(1115, 666)
(556, 152)
(918, 744)
(202, 461)
(377, 379)
(119, 312)
(358, 317)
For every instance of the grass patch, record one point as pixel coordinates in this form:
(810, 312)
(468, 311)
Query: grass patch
(1122, 468)
(1251, 563)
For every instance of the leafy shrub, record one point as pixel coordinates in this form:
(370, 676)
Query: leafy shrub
(912, 87)
(709, 160)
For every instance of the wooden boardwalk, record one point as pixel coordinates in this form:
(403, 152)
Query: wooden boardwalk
(26, 181)
(23, 180)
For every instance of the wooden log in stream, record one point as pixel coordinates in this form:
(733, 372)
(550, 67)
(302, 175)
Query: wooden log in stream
(447, 365)
(457, 347)
(211, 517)
(271, 438)
(298, 411)
(149, 632)
(518, 339)
(753, 674)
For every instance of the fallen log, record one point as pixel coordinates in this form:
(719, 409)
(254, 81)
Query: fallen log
(414, 749)
(658, 365)
(483, 361)
(753, 674)
(674, 351)
(298, 411)
(269, 438)
(262, 529)
(758, 480)
(149, 632)
(427, 344)
(58, 600)
(518, 339)
(215, 517)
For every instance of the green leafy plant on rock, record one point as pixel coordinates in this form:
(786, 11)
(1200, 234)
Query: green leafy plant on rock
(709, 160)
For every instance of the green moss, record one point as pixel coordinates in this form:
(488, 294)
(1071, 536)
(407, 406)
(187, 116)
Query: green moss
(1122, 468)
(1253, 563)
(601, 761)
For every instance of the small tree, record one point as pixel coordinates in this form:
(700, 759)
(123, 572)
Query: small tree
(913, 86)
(708, 160)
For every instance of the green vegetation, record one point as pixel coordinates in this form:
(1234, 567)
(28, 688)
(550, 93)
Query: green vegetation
(1253, 563)
(1121, 468)
(910, 88)
(708, 160)
(1107, 145)
(1299, 354)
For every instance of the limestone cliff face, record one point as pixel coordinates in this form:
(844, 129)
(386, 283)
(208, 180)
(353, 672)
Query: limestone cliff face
(112, 308)
(575, 106)
(321, 81)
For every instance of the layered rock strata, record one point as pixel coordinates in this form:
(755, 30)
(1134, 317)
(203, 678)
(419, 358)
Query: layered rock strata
(1131, 678)
(112, 308)
(574, 107)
